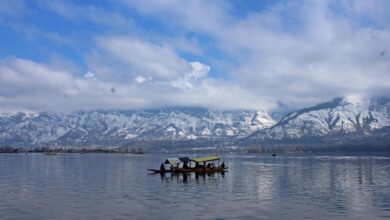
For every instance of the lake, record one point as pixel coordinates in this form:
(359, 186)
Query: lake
(117, 186)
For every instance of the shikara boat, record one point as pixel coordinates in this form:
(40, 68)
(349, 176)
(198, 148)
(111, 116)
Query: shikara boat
(173, 164)
(201, 165)
(207, 165)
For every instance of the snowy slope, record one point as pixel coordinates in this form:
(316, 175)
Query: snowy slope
(108, 128)
(340, 116)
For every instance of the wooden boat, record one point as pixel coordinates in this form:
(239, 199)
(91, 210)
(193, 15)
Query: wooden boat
(173, 163)
(210, 168)
(203, 170)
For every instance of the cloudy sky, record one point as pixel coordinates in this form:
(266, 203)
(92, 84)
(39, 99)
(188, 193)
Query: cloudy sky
(78, 55)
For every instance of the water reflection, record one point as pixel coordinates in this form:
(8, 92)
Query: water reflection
(196, 178)
(106, 186)
(340, 186)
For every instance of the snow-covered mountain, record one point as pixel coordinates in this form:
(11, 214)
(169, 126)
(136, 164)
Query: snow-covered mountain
(342, 116)
(115, 128)
(343, 120)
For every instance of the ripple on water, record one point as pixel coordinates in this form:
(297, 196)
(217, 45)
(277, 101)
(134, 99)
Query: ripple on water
(107, 186)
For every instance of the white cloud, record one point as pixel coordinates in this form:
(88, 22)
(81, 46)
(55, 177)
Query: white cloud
(90, 12)
(121, 58)
(29, 85)
(300, 53)
(25, 84)
(140, 79)
(199, 15)
(90, 75)
(182, 43)
(197, 72)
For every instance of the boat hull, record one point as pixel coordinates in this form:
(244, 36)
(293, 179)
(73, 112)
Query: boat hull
(160, 171)
(191, 170)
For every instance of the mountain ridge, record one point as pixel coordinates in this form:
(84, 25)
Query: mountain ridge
(339, 121)
(341, 115)
(116, 127)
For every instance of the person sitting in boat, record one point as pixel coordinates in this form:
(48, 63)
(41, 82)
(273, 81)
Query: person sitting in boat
(197, 165)
(162, 167)
(185, 165)
(209, 165)
(223, 165)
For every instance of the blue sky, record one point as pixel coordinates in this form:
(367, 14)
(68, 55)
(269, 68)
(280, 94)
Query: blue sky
(69, 55)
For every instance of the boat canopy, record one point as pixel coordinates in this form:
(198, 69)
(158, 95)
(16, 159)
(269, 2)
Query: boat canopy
(205, 159)
(172, 161)
(177, 160)
(184, 159)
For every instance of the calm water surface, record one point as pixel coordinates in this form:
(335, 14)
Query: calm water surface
(117, 186)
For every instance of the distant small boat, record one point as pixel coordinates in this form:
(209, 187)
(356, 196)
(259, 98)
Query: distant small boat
(274, 154)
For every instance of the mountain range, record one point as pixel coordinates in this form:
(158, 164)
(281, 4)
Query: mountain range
(340, 121)
(115, 128)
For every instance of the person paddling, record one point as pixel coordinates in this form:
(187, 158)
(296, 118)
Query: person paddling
(162, 167)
